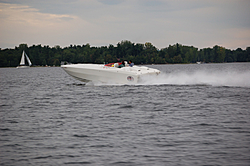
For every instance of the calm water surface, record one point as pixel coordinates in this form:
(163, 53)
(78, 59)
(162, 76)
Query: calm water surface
(189, 115)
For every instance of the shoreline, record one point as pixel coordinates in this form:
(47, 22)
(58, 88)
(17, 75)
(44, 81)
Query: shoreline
(144, 64)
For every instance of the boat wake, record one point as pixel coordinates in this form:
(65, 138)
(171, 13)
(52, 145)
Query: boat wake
(218, 78)
(221, 78)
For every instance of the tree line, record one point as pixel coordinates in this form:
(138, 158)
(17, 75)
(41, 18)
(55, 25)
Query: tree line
(125, 50)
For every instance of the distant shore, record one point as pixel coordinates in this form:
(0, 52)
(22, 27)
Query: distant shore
(125, 50)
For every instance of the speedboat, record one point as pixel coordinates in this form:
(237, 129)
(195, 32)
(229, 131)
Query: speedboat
(109, 73)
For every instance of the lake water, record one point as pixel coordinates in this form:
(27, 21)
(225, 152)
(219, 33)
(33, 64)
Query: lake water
(189, 115)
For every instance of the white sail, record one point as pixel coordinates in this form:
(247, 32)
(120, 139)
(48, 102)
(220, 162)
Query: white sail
(22, 59)
(22, 63)
(28, 59)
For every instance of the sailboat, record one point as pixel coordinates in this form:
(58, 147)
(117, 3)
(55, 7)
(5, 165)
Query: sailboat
(22, 62)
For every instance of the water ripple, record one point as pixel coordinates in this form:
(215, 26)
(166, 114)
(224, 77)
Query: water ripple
(48, 118)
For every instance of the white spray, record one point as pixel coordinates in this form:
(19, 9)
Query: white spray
(220, 78)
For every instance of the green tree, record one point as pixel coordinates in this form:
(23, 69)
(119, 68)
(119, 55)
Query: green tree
(56, 62)
(177, 59)
(248, 54)
(219, 54)
(125, 50)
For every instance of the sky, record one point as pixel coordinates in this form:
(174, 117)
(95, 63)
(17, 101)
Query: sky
(198, 23)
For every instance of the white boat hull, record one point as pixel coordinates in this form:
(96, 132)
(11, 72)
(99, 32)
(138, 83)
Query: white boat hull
(22, 67)
(101, 73)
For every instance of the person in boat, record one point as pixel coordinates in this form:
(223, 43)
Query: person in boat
(131, 64)
(122, 65)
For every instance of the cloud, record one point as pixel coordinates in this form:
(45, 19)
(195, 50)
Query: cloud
(111, 2)
(23, 24)
(103, 22)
